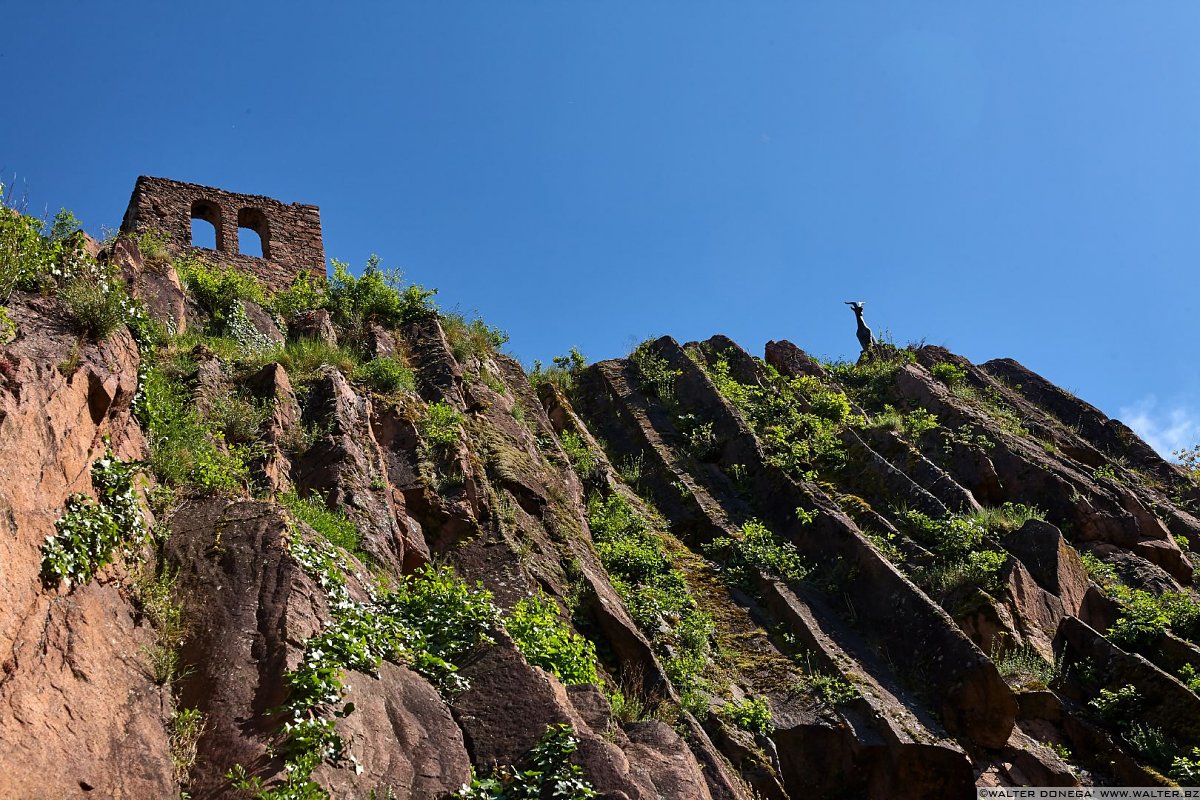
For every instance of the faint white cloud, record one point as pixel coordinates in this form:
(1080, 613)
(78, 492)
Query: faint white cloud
(1165, 427)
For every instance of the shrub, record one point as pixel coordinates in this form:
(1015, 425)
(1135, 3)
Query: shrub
(28, 260)
(832, 690)
(386, 375)
(653, 590)
(550, 774)
(655, 373)
(1118, 708)
(331, 524)
(869, 381)
(546, 642)
(1026, 666)
(582, 458)
(750, 714)
(379, 295)
(950, 374)
(8, 328)
(185, 729)
(757, 549)
(185, 451)
(239, 420)
(218, 288)
(471, 339)
(153, 245)
(307, 292)
(700, 439)
(303, 358)
(90, 530)
(1102, 573)
(564, 372)
(440, 427)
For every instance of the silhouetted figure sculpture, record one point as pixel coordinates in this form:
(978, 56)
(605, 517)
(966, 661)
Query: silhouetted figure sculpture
(865, 339)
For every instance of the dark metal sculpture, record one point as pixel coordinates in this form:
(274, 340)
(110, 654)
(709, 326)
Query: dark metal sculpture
(865, 339)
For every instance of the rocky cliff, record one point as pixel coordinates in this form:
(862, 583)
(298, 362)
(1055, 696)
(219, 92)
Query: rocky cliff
(330, 542)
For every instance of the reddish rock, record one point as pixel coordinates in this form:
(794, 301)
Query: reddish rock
(315, 325)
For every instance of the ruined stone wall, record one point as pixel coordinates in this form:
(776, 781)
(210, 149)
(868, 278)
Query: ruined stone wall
(290, 234)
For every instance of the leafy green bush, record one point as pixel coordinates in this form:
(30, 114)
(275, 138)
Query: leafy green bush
(28, 260)
(1145, 617)
(654, 591)
(656, 375)
(331, 524)
(307, 292)
(386, 375)
(440, 427)
(550, 774)
(1118, 708)
(582, 458)
(153, 245)
(90, 530)
(185, 450)
(185, 728)
(700, 438)
(950, 374)
(471, 339)
(218, 288)
(564, 372)
(870, 382)
(8, 328)
(750, 714)
(546, 642)
(1102, 573)
(430, 620)
(757, 549)
(379, 295)
(797, 420)
(832, 690)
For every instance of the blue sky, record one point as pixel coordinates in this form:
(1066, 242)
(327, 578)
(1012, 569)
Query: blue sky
(1016, 179)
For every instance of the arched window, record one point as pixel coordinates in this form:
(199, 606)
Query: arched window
(206, 235)
(253, 234)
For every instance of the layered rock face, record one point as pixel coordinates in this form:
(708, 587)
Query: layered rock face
(386, 562)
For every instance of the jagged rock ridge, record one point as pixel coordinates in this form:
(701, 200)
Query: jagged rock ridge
(779, 578)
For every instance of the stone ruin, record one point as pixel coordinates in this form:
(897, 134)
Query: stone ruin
(290, 234)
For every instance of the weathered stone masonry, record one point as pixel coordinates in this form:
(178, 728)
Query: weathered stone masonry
(291, 234)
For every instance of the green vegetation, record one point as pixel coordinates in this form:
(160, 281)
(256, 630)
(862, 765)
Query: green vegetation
(547, 642)
(797, 420)
(238, 419)
(757, 550)
(585, 461)
(950, 374)
(429, 620)
(1007, 518)
(750, 714)
(378, 296)
(1145, 617)
(386, 375)
(1025, 666)
(1099, 571)
(957, 544)
(184, 729)
(1118, 708)
(655, 373)
(471, 339)
(90, 530)
(157, 599)
(332, 524)
(1105, 472)
(186, 451)
(832, 690)
(28, 260)
(306, 293)
(562, 374)
(1190, 678)
(654, 591)
(549, 774)
(303, 359)
(219, 290)
(911, 425)
(870, 381)
(440, 426)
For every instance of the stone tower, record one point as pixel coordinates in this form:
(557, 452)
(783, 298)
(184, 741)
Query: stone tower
(290, 234)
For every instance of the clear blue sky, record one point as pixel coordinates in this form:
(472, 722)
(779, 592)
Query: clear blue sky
(1006, 179)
